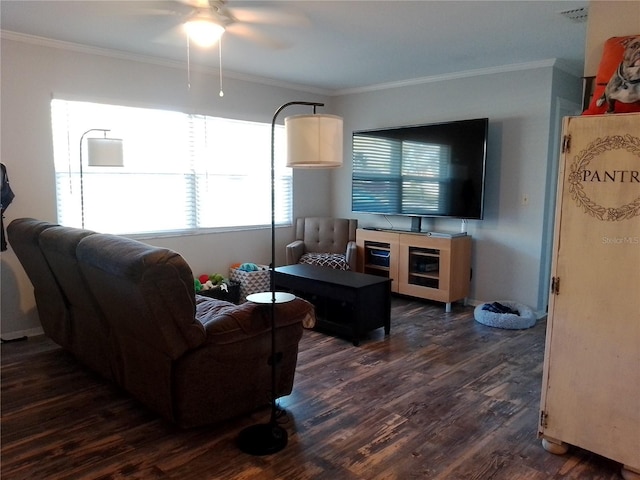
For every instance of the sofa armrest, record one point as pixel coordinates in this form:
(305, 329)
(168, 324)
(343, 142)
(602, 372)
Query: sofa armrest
(226, 323)
(294, 251)
(351, 255)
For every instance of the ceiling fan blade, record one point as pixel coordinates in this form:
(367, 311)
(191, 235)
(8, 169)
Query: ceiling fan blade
(175, 36)
(247, 32)
(150, 12)
(270, 16)
(195, 3)
(153, 8)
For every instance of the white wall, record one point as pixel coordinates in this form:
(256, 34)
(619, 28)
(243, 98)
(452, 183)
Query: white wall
(32, 73)
(508, 243)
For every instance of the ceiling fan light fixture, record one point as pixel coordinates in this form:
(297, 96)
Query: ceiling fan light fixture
(204, 31)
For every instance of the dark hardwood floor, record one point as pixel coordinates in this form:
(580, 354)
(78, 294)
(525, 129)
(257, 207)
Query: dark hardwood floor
(442, 397)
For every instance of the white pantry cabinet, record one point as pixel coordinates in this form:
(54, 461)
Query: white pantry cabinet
(591, 376)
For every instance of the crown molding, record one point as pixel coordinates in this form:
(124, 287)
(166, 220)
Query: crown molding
(453, 76)
(157, 61)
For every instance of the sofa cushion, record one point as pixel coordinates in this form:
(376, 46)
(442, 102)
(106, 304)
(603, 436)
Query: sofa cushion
(59, 247)
(144, 291)
(90, 332)
(23, 235)
(227, 323)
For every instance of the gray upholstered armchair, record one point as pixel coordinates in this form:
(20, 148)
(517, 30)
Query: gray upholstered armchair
(324, 241)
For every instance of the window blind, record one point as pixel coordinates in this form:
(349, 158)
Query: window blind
(181, 171)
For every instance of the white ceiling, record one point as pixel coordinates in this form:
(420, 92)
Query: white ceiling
(328, 45)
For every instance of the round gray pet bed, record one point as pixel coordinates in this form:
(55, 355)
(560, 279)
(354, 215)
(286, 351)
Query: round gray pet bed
(525, 318)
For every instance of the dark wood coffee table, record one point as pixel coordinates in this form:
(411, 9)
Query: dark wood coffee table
(348, 303)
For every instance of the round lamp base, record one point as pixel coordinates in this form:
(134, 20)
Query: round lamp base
(263, 439)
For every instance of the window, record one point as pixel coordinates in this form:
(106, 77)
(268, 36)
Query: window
(181, 172)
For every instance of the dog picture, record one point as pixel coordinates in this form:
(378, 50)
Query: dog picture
(624, 85)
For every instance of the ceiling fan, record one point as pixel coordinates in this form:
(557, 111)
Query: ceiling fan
(205, 21)
(208, 20)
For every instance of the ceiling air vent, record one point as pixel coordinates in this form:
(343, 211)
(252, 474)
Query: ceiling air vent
(577, 15)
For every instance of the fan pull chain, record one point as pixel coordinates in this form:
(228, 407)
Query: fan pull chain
(220, 64)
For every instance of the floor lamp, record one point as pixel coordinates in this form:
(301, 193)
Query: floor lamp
(102, 152)
(313, 141)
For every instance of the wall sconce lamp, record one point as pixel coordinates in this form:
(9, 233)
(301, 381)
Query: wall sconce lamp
(102, 152)
(313, 141)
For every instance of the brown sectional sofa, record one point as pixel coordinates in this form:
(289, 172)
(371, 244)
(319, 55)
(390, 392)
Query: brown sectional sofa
(128, 311)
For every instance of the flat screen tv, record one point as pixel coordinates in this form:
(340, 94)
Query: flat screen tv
(434, 170)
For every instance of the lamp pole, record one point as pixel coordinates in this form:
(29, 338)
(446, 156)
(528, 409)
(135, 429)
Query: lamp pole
(268, 438)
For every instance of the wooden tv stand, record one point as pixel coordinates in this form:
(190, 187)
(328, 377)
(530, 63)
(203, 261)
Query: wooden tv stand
(421, 265)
